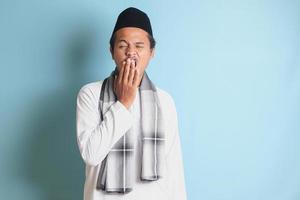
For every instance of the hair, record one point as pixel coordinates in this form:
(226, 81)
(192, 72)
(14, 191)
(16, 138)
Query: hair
(150, 37)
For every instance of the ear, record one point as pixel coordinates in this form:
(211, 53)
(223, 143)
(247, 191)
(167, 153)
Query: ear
(111, 52)
(152, 52)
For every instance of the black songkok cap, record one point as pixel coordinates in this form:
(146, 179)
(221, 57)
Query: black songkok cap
(133, 17)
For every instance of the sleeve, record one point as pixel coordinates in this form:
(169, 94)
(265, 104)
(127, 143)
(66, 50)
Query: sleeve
(94, 137)
(174, 162)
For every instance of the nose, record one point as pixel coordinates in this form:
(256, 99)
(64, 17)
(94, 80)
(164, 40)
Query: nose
(131, 52)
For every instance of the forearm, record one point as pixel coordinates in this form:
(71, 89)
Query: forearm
(95, 138)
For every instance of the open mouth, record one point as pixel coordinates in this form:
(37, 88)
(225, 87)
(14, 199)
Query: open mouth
(134, 59)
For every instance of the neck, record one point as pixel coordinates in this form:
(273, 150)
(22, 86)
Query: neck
(140, 81)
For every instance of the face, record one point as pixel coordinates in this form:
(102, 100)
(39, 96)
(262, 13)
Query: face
(132, 43)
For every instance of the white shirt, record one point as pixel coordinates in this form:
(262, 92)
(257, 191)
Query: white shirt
(95, 139)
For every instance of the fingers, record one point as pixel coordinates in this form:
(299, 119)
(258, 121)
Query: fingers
(136, 78)
(128, 74)
(121, 73)
(126, 71)
(131, 74)
(115, 82)
(126, 82)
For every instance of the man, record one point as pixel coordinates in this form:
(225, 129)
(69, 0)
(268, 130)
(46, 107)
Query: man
(127, 129)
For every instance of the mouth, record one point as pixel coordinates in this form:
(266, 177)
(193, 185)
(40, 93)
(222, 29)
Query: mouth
(134, 59)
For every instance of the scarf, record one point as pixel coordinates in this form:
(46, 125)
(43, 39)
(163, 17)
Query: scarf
(116, 171)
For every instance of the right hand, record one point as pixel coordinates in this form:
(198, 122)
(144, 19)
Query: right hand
(126, 83)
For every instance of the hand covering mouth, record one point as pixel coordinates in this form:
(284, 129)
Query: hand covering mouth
(132, 58)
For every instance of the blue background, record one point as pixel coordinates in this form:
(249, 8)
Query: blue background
(232, 67)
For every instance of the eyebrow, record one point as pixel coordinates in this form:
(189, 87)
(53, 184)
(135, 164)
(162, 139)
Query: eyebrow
(122, 41)
(127, 42)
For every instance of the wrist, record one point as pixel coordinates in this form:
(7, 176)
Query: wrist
(126, 104)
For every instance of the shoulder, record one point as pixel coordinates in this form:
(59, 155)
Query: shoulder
(92, 87)
(165, 96)
(167, 101)
(90, 90)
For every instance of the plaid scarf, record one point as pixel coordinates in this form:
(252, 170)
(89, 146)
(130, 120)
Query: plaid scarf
(115, 175)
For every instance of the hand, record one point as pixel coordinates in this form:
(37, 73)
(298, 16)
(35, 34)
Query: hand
(126, 83)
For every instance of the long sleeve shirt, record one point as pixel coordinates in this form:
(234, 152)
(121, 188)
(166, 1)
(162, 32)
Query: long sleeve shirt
(95, 138)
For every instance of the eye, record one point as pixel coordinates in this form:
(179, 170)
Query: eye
(139, 47)
(122, 46)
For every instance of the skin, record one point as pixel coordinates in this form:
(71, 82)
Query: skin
(131, 54)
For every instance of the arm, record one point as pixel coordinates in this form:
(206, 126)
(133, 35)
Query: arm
(94, 137)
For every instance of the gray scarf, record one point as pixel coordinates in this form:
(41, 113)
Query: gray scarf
(115, 175)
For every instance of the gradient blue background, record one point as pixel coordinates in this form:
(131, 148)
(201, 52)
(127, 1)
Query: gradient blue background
(232, 67)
